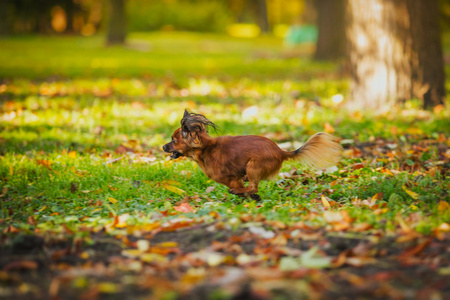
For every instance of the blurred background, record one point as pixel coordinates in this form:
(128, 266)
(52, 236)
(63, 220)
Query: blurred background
(74, 72)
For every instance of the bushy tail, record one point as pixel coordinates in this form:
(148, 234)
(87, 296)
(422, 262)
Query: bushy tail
(320, 151)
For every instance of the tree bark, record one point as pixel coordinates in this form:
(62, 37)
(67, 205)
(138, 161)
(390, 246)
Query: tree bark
(395, 53)
(117, 22)
(331, 43)
(263, 21)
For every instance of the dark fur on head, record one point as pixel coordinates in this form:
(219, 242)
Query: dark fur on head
(192, 123)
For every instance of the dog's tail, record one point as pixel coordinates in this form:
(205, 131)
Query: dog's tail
(320, 151)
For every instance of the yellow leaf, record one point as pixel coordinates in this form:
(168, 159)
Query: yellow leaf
(72, 154)
(43, 208)
(112, 200)
(153, 258)
(131, 253)
(405, 227)
(11, 170)
(174, 189)
(411, 193)
(168, 244)
(325, 202)
(377, 196)
(107, 287)
(443, 206)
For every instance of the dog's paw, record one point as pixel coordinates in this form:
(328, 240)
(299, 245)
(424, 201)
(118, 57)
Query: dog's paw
(255, 197)
(231, 192)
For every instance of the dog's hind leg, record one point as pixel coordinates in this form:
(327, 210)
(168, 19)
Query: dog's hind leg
(253, 175)
(255, 197)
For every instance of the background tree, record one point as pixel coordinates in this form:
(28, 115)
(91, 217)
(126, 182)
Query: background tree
(117, 28)
(331, 29)
(395, 53)
(260, 7)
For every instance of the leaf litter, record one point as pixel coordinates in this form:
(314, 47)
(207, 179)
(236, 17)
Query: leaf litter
(330, 235)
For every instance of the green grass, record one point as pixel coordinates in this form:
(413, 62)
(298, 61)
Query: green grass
(67, 103)
(175, 55)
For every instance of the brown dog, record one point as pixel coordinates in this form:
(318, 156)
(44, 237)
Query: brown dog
(231, 160)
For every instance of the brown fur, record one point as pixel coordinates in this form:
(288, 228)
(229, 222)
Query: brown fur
(231, 160)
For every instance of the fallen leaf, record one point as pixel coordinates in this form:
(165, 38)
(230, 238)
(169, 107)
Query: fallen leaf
(173, 189)
(210, 189)
(411, 193)
(21, 265)
(4, 192)
(73, 187)
(328, 128)
(184, 207)
(108, 287)
(112, 200)
(325, 202)
(443, 206)
(143, 245)
(45, 163)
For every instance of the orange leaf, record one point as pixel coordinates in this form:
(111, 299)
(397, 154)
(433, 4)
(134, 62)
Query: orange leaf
(443, 206)
(183, 207)
(328, 128)
(44, 163)
(32, 221)
(21, 265)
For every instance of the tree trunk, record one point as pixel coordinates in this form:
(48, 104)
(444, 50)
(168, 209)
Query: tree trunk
(258, 10)
(5, 10)
(331, 27)
(263, 21)
(395, 53)
(117, 22)
(70, 13)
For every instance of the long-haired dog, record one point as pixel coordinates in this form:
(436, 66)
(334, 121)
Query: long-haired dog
(233, 160)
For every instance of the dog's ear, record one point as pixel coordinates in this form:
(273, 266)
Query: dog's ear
(184, 128)
(184, 131)
(192, 125)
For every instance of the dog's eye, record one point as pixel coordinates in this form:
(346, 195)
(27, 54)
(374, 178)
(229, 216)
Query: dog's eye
(173, 141)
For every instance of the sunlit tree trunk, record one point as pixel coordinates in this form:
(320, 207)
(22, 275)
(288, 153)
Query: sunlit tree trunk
(331, 26)
(117, 22)
(395, 53)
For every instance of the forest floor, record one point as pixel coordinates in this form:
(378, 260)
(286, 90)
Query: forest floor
(92, 208)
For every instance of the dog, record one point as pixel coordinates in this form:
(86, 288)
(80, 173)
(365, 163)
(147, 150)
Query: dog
(233, 160)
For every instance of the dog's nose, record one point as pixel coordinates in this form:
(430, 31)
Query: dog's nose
(165, 148)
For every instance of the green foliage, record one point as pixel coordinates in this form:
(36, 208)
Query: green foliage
(200, 16)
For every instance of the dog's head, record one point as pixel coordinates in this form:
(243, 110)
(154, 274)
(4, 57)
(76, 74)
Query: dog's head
(189, 135)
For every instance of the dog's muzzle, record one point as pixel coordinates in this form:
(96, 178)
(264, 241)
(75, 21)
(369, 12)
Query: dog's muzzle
(175, 155)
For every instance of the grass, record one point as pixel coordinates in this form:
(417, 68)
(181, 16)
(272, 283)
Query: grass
(91, 207)
(70, 107)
